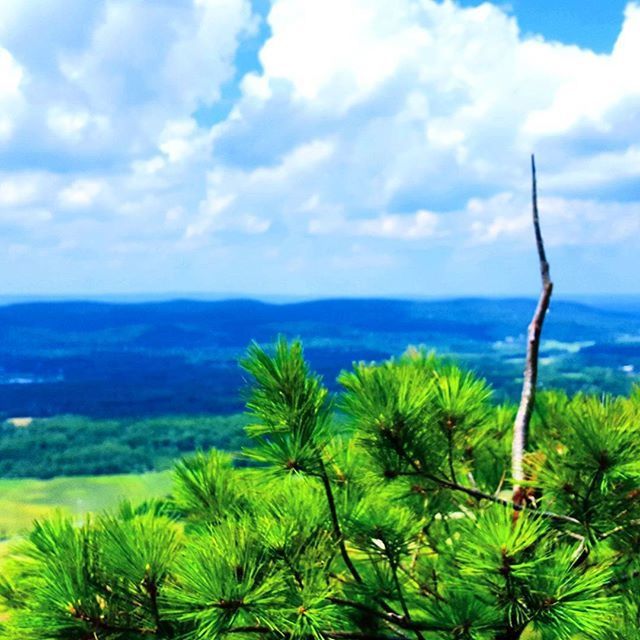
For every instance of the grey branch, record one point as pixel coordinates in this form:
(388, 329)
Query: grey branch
(527, 399)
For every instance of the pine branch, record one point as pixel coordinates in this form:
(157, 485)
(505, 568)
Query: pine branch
(597, 477)
(450, 455)
(403, 602)
(618, 529)
(480, 495)
(424, 589)
(391, 618)
(337, 531)
(624, 579)
(338, 635)
(98, 624)
(523, 417)
(152, 590)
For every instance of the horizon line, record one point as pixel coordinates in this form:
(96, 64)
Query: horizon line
(271, 298)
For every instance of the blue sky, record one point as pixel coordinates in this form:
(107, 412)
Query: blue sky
(592, 23)
(317, 147)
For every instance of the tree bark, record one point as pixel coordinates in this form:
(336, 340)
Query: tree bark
(527, 399)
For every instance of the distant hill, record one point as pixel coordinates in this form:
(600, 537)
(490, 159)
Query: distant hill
(180, 357)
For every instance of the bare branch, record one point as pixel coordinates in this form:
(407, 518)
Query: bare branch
(527, 399)
(544, 265)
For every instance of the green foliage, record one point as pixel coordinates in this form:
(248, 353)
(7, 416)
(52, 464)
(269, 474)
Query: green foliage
(398, 527)
(383, 529)
(74, 445)
(289, 407)
(205, 488)
(592, 463)
(223, 579)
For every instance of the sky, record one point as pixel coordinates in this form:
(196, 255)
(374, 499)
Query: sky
(317, 147)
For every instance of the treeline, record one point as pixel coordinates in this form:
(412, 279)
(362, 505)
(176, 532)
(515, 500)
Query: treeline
(74, 445)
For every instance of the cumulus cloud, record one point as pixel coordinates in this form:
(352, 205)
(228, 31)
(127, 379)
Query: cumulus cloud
(404, 127)
(567, 221)
(422, 224)
(11, 79)
(19, 189)
(75, 126)
(106, 77)
(589, 92)
(430, 104)
(81, 193)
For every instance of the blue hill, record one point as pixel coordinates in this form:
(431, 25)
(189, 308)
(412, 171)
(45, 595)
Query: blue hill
(180, 356)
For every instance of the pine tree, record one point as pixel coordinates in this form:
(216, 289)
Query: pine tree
(384, 512)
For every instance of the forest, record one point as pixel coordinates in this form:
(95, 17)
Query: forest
(127, 388)
(76, 445)
(137, 360)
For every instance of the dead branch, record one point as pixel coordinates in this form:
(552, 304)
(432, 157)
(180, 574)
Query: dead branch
(527, 399)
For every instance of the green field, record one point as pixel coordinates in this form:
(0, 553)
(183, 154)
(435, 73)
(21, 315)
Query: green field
(23, 500)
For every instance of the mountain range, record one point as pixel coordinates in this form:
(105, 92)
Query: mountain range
(114, 359)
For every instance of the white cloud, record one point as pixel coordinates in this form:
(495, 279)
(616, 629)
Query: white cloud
(565, 221)
(422, 224)
(179, 140)
(591, 85)
(306, 157)
(200, 60)
(362, 44)
(597, 169)
(105, 78)
(21, 189)
(237, 199)
(11, 80)
(254, 224)
(427, 105)
(81, 193)
(369, 121)
(75, 126)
